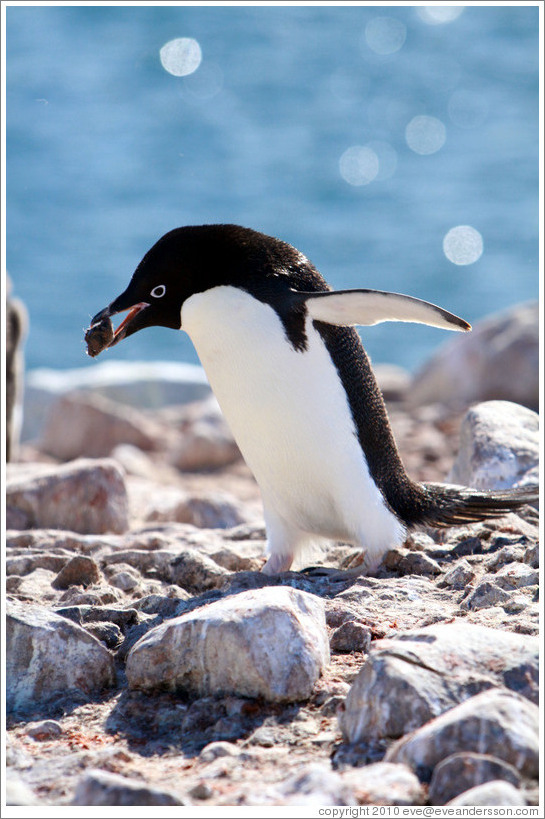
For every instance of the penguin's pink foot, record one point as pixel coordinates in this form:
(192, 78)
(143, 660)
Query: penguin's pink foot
(278, 563)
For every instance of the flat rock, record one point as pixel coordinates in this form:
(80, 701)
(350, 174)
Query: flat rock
(85, 496)
(499, 447)
(270, 642)
(462, 771)
(409, 679)
(490, 793)
(473, 367)
(47, 655)
(98, 787)
(496, 722)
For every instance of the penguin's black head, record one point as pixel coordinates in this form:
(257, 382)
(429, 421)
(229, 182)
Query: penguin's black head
(190, 260)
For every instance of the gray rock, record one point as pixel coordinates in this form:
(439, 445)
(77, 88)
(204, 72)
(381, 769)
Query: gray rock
(84, 496)
(98, 787)
(499, 447)
(350, 636)
(516, 576)
(215, 750)
(491, 793)
(480, 366)
(496, 722)
(270, 643)
(44, 730)
(409, 679)
(87, 425)
(486, 594)
(459, 576)
(196, 572)
(78, 571)
(418, 563)
(462, 771)
(47, 654)
(531, 556)
(385, 783)
(108, 633)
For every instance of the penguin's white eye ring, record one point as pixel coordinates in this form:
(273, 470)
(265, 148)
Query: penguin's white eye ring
(158, 291)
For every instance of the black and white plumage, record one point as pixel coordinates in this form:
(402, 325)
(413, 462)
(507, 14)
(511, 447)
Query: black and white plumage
(296, 387)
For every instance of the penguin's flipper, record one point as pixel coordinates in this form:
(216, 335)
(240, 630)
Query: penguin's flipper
(366, 307)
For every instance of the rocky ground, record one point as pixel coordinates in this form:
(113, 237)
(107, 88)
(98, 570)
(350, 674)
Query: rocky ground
(150, 663)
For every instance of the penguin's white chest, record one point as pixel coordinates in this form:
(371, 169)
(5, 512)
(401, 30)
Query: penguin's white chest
(290, 417)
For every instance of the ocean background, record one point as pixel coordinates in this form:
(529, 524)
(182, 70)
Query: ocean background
(362, 134)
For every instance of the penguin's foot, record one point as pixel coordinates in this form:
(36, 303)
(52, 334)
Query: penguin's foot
(278, 563)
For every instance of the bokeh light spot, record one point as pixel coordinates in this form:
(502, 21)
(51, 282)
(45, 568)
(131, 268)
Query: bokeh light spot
(181, 56)
(425, 135)
(436, 15)
(385, 35)
(359, 165)
(463, 245)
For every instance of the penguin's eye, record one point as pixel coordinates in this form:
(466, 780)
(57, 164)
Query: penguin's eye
(158, 291)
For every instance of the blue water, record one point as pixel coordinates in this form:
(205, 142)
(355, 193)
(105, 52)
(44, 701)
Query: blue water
(107, 150)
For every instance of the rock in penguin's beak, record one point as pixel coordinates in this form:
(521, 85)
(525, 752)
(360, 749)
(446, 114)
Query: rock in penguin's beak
(101, 333)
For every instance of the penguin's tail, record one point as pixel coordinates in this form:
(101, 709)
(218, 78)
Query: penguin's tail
(449, 505)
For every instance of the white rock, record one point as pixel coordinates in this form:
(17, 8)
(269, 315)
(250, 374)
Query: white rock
(48, 655)
(498, 360)
(499, 447)
(270, 642)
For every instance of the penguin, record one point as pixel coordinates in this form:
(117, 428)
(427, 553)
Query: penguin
(296, 387)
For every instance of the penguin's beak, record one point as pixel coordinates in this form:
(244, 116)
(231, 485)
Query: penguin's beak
(101, 333)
